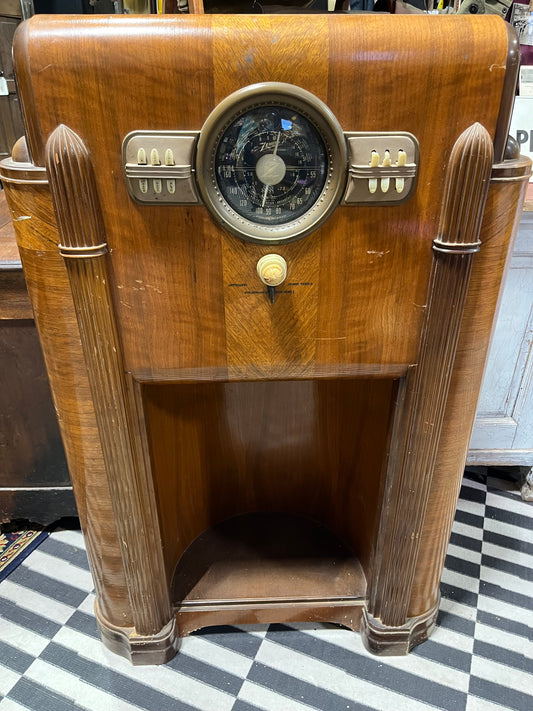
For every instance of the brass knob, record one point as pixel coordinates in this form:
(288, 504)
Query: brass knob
(272, 269)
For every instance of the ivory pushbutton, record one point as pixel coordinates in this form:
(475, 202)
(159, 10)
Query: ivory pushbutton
(141, 156)
(385, 182)
(402, 160)
(374, 162)
(169, 157)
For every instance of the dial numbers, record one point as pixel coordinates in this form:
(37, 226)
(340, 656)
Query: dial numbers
(271, 162)
(271, 165)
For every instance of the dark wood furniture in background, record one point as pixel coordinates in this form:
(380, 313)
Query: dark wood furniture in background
(11, 126)
(236, 460)
(34, 480)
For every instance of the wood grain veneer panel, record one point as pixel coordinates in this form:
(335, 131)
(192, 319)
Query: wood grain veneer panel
(171, 265)
(313, 448)
(257, 49)
(277, 338)
(184, 290)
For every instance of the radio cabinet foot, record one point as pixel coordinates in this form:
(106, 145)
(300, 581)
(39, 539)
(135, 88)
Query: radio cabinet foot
(158, 648)
(386, 641)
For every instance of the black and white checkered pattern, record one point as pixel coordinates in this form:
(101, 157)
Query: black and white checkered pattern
(480, 657)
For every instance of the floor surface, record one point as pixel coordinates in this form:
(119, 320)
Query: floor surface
(480, 657)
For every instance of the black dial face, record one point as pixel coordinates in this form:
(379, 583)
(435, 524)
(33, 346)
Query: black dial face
(271, 165)
(271, 162)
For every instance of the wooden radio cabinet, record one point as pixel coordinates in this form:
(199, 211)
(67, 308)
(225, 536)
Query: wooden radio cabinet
(258, 438)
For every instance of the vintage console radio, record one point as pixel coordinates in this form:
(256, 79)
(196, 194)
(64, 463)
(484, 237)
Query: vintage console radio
(264, 255)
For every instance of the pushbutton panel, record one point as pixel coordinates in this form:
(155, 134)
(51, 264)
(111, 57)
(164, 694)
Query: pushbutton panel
(382, 168)
(159, 166)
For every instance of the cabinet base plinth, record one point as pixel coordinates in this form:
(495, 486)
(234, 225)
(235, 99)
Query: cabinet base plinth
(386, 641)
(347, 614)
(158, 648)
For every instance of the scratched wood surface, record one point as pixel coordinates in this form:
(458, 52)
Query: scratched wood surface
(353, 324)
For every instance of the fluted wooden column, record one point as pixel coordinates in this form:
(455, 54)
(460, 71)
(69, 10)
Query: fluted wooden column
(386, 627)
(83, 245)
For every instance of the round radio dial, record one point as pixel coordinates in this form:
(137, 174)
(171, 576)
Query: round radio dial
(271, 162)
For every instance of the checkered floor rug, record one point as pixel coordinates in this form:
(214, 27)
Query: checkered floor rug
(480, 657)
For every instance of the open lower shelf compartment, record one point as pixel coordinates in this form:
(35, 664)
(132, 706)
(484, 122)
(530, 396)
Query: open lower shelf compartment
(261, 567)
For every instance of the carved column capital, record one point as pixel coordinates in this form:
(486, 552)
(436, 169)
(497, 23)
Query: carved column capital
(73, 185)
(465, 192)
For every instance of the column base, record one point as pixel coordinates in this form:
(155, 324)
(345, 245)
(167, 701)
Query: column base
(139, 649)
(386, 641)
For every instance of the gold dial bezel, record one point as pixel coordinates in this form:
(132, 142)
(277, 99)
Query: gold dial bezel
(315, 111)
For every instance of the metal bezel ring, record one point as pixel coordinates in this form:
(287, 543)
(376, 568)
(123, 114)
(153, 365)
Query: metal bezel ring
(315, 111)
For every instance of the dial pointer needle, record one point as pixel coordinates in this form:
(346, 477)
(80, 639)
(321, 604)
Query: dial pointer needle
(265, 191)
